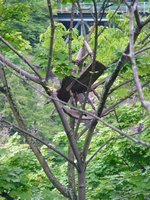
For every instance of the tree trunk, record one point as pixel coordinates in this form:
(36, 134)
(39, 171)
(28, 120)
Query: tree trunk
(71, 170)
(71, 175)
(81, 182)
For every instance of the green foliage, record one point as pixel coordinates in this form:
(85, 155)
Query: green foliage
(13, 173)
(119, 171)
(19, 22)
(61, 65)
(11, 12)
(20, 173)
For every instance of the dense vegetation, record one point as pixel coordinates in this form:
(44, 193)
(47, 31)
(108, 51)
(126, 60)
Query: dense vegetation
(121, 167)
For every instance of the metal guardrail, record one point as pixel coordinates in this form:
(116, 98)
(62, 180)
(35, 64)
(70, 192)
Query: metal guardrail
(88, 8)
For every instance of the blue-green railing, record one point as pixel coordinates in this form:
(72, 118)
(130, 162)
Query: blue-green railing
(143, 7)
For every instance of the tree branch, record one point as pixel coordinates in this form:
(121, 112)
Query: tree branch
(145, 103)
(124, 134)
(137, 16)
(145, 38)
(68, 130)
(123, 99)
(82, 20)
(145, 22)
(99, 149)
(20, 56)
(142, 50)
(52, 27)
(93, 55)
(71, 170)
(19, 70)
(41, 141)
(121, 84)
(70, 32)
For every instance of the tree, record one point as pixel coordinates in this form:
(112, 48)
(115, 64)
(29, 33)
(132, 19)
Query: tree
(121, 70)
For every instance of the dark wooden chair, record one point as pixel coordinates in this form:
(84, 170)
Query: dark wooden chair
(80, 85)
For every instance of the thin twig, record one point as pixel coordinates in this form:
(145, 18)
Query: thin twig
(38, 139)
(99, 149)
(141, 50)
(82, 20)
(121, 84)
(70, 33)
(145, 38)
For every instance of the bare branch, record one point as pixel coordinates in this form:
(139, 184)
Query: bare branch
(142, 50)
(82, 20)
(145, 103)
(70, 33)
(145, 38)
(71, 170)
(137, 17)
(99, 149)
(41, 141)
(19, 70)
(52, 27)
(123, 99)
(121, 84)
(145, 22)
(20, 56)
(68, 130)
(124, 134)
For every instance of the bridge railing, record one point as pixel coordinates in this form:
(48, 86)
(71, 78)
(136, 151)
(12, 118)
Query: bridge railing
(143, 7)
